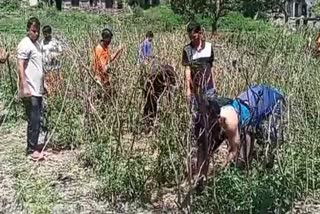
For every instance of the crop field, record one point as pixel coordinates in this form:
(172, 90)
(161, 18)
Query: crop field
(103, 162)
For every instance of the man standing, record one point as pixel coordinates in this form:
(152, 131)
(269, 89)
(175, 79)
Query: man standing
(102, 58)
(31, 84)
(197, 57)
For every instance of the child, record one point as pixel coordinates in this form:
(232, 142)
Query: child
(51, 49)
(102, 57)
(145, 48)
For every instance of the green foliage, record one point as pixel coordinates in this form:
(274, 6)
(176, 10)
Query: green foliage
(64, 118)
(9, 5)
(258, 192)
(235, 21)
(163, 16)
(316, 9)
(159, 19)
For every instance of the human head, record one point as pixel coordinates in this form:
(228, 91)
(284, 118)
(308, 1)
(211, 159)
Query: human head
(106, 37)
(33, 29)
(194, 32)
(46, 31)
(149, 35)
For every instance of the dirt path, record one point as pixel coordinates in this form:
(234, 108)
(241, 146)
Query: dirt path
(57, 185)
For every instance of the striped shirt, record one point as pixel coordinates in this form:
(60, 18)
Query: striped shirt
(200, 62)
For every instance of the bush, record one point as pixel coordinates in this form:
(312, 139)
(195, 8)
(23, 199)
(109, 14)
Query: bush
(9, 5)
(236, 22)
(163, 18)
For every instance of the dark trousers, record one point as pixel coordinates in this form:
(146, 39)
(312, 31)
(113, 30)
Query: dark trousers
(203, 123)
(33, 107)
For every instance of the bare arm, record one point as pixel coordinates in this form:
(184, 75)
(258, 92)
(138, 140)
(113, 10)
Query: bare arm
(23, 86)
(22, 64)
(234, 141)
(230, 125)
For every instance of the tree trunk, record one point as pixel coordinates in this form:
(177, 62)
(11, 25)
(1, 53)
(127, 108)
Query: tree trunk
(120, 4)
(75, 3)
(93, 3)
(155, 2)
(109, 3)
(59, 5)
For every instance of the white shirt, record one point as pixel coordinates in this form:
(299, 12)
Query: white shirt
(27, 50)
(50, 52)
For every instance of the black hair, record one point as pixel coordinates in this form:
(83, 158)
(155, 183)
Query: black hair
(193, 27)
(106, 34)
(47, 29)
(149, 34)
(33, 21)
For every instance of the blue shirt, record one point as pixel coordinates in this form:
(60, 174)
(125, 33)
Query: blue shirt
(145, 50)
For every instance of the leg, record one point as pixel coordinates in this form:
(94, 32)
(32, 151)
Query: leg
(245, 148)
(202, 134)
(150, 108)
(151, 97)
(33, 108)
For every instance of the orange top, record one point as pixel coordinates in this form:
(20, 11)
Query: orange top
(101, 59)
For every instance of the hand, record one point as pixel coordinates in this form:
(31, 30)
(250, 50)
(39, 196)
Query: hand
(25, 91)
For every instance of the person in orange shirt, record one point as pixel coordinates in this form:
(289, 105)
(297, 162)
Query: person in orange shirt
(102, 57)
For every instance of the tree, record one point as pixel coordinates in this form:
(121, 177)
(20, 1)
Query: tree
(209, 8)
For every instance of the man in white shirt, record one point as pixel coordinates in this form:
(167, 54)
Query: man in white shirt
(31, 86)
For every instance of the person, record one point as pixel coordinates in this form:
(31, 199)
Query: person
(51, 50)
(31, 87)
(102, 58)
(161, 79)
(198, 57)
(145, 49)
(248, 110)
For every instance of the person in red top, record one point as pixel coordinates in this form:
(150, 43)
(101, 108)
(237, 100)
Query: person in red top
(102, 57)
